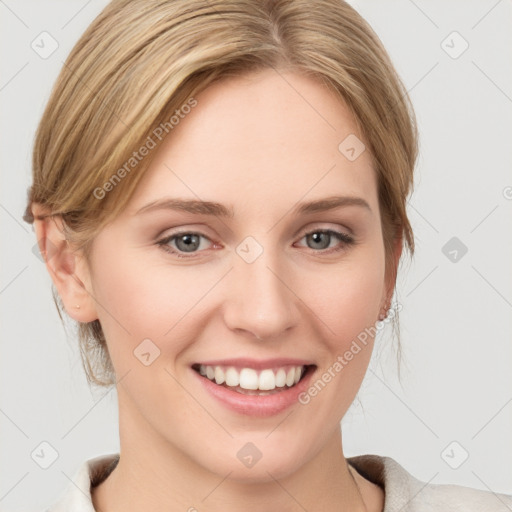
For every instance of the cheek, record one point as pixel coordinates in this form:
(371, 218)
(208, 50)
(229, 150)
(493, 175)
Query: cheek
(347, 302)
(137, 300)
(347, 298)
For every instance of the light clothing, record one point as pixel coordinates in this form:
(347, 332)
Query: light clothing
(403, 492)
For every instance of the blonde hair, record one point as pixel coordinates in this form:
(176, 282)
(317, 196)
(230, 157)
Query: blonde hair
(141, 60)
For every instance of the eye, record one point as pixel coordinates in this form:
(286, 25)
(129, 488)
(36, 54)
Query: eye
(186, 242)
(190, 242)
(322, 238)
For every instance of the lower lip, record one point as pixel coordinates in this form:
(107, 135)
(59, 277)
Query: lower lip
(257, 405)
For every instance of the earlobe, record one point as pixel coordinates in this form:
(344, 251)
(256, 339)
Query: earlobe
(66, 267)
(397, 253)
(391, 278)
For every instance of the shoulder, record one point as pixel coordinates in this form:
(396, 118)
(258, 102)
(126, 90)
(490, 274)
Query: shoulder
(403, 492)
(77, 496)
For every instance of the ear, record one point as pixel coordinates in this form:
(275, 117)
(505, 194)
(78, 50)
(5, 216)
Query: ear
(67, 266)
(393, 271)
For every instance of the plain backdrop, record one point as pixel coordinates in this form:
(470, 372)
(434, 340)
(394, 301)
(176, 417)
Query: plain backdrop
(449, 418)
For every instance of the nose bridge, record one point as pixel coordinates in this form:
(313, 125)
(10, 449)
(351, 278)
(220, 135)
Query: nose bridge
(260, 299)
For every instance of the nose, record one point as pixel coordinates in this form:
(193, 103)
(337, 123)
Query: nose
(261, 300)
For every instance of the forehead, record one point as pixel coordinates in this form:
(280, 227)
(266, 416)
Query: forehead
(258, 140)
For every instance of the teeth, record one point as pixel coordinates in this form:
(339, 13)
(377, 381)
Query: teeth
(248, 378)
(280, 378)
(290, 377)
(219, 375)
(232, 377)
(267, 380)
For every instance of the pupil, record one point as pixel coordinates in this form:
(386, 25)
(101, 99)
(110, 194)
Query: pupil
(317, 238)
(191, 242)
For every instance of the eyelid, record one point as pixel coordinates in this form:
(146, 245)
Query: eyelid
(345, 237)
(164, 241)
(316, 226)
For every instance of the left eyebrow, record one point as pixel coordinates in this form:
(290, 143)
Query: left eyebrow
(220, 210)
(330, 203)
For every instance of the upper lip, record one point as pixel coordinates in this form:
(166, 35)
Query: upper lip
(257, 364)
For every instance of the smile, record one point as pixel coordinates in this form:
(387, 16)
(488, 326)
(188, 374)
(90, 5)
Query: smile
(251, 381)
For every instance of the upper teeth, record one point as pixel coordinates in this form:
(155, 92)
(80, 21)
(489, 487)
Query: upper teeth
(248, 378)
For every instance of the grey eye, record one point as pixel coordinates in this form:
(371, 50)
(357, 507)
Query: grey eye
(188, 242)
(320, 239)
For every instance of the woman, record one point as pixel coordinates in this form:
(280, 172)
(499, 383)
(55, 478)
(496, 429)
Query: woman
(220, 193)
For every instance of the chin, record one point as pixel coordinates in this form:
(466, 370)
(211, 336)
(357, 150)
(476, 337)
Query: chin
(259, 461)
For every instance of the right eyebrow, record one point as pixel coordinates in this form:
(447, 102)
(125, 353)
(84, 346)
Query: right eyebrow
(189, 205)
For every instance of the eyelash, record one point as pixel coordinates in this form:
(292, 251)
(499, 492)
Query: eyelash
(342, 237)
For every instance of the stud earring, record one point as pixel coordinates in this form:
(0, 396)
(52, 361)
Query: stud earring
(384, 315)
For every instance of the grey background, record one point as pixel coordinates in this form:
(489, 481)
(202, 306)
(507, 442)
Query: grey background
(456, 320)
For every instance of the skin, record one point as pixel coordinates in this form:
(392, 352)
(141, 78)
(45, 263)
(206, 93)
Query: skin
(260, 144)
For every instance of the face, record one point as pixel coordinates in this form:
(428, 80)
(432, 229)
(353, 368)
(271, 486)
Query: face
(259, 291)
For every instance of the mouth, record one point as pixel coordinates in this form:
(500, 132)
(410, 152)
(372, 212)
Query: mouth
(255, 381)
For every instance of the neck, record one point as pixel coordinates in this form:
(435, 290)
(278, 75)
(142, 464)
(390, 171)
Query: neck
(154, 474)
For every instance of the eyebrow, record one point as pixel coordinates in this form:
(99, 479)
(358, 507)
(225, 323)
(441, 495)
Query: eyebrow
(220, 210)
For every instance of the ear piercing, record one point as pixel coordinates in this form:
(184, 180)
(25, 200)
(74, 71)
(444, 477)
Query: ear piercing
(384, 315)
